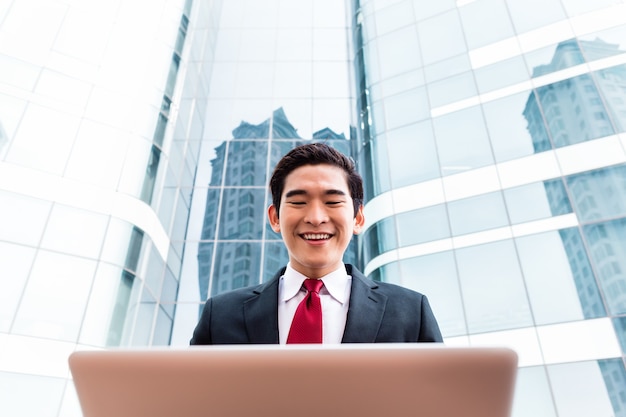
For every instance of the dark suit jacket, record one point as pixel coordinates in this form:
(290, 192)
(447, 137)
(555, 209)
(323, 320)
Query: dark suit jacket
(378, 313)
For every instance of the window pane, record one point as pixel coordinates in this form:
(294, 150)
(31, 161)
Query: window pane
(412, 154)
(55, 297)
(548, 276)
(485, 22)
(462, 141)
(580, 388)
(599, 194)
(16, 262)
(492, 287)
(406, 108)
(31, 395)
(204, 272)
(446, 29)
(501, 74)
(511, 132)
(11, 110)
(584, 276)
(293, 44)
(573, 111)
(537, 201)
(98, 156)
(243, 213)
(424, 225)
(576, 7)
(44, 139)
(274, 258)
(532, 393)
(398, 51)
(479, 213)
(607, 249)
(525, 16)
(236, 265)
(22, 219)
(437, 279)
(397, 15)
(75, 231)
(379, 238)
(452, 89)
(246, 163)
(612, 84)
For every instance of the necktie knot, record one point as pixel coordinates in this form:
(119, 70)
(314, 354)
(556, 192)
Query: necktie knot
(313, 285)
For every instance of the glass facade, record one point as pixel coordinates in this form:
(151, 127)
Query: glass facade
(137, 138)
(508, 210)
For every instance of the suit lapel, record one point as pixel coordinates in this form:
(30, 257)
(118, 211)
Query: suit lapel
(366, 309)
(261, 313)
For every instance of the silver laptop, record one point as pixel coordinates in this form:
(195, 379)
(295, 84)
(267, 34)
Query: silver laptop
(395, 380)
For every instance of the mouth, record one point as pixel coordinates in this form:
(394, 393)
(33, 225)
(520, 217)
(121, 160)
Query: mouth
(316, 236)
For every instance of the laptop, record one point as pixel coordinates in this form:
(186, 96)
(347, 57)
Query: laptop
(426, 380)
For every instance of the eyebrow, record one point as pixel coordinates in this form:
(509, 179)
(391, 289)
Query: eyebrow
(292, 193)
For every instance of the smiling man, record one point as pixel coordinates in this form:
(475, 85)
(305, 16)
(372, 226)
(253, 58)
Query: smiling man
(317, 206)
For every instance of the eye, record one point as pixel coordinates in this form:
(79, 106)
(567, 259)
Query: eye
(296, 203)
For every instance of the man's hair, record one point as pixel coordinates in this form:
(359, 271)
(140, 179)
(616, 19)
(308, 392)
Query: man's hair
(315, 154)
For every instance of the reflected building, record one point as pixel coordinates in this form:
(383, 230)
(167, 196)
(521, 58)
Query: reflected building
(575, 111)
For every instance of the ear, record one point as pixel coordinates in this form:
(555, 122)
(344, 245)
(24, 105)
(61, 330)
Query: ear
(359, 221)
(272, 215)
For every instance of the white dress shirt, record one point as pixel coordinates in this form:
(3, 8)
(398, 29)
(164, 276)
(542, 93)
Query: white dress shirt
(334, 295)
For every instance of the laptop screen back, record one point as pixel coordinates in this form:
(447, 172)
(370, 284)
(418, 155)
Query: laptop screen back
(324, 380)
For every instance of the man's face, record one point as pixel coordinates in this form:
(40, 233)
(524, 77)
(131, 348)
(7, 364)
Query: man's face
(316, 218)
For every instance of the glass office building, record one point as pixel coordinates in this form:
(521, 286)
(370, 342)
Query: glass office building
(137, 138)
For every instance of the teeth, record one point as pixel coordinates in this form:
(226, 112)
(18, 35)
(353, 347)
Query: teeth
(316, 236)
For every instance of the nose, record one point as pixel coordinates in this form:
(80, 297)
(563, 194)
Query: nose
(316, 214)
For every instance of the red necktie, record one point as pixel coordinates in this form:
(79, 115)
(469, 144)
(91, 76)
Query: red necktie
(306, 326)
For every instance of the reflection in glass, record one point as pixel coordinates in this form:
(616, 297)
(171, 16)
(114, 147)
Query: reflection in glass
(478, 213)
(532, 393)
(476, 31)
(54, 299)
(599, 194)
(423, 225)
(606, 243)
(412, 154)
(379, 238)
(501, 74)
(537, 201)
(619, 324)
(18, 400)
(16, 261)
(510, 132)
(236, 265)
(612, 84)
(462, 141)
(435, 275)
(583, 273)
(446, 29)
(583, 389)
(450, 90)
(492, 287)
(551, 274)
(525, 15)
(574, 110)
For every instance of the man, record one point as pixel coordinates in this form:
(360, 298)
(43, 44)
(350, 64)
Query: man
(317, 205)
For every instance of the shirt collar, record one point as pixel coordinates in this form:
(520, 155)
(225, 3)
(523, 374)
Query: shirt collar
(335, 283)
